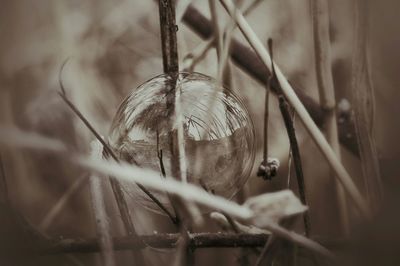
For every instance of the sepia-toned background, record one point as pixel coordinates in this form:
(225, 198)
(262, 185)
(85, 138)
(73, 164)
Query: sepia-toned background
(114, 46)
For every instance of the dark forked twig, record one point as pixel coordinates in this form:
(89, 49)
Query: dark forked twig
(284, 107)
(285, 111)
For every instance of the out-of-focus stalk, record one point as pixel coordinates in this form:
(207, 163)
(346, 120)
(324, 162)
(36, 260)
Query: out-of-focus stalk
(323, 69)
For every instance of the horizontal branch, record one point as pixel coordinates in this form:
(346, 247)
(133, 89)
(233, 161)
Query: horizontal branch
(167, 241)
(249, 62)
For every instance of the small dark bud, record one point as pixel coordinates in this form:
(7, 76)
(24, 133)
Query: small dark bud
(269, 169)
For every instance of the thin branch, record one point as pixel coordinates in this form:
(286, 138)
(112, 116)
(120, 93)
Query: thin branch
(224, 71)
(285, 111)
(166, 241)
(266, 121)
(217, 38)
(309, 124)
(265, 169)
(323, 67)
(169, 43)
(61, 202)
(169, 241)
(300, 240)
(199, 53)
(284, 107)
(263, 258)
(250, 63)
(102, 225)
(175, 219)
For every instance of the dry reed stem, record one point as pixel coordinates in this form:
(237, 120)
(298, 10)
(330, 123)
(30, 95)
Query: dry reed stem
(323, 68)
(53, 213)
(99, 213)
(217, 38)
(198, 54)
(309, 124)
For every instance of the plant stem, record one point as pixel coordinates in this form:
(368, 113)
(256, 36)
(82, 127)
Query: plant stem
(287, 90)
(323, 68)
(168, 241)
(217, 34)
(169, 46)
(100, 215)
(60, 204)
(284, 107)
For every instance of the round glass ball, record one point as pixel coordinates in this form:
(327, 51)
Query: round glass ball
(218, 134)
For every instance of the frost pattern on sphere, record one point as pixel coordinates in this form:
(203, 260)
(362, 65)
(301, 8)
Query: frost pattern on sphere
(218, 134)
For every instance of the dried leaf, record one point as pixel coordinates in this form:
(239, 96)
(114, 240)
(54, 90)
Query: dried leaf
(272, 207)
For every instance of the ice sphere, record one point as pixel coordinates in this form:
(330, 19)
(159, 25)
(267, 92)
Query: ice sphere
(218, 134)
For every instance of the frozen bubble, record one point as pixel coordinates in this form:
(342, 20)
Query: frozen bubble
(218, 134)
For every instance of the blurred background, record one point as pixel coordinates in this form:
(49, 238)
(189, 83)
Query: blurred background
(114, 46)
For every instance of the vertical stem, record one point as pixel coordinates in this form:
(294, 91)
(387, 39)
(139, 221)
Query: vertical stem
(217, 35)
(362, 91)
(125, 216)
(169, 42)
(102, 225)
(100, 215)
(284, 107)
(266, 116)
(323, 68)
(169, 47)
(62, 202)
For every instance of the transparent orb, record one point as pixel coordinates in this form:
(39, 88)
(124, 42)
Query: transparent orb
(217, 129)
